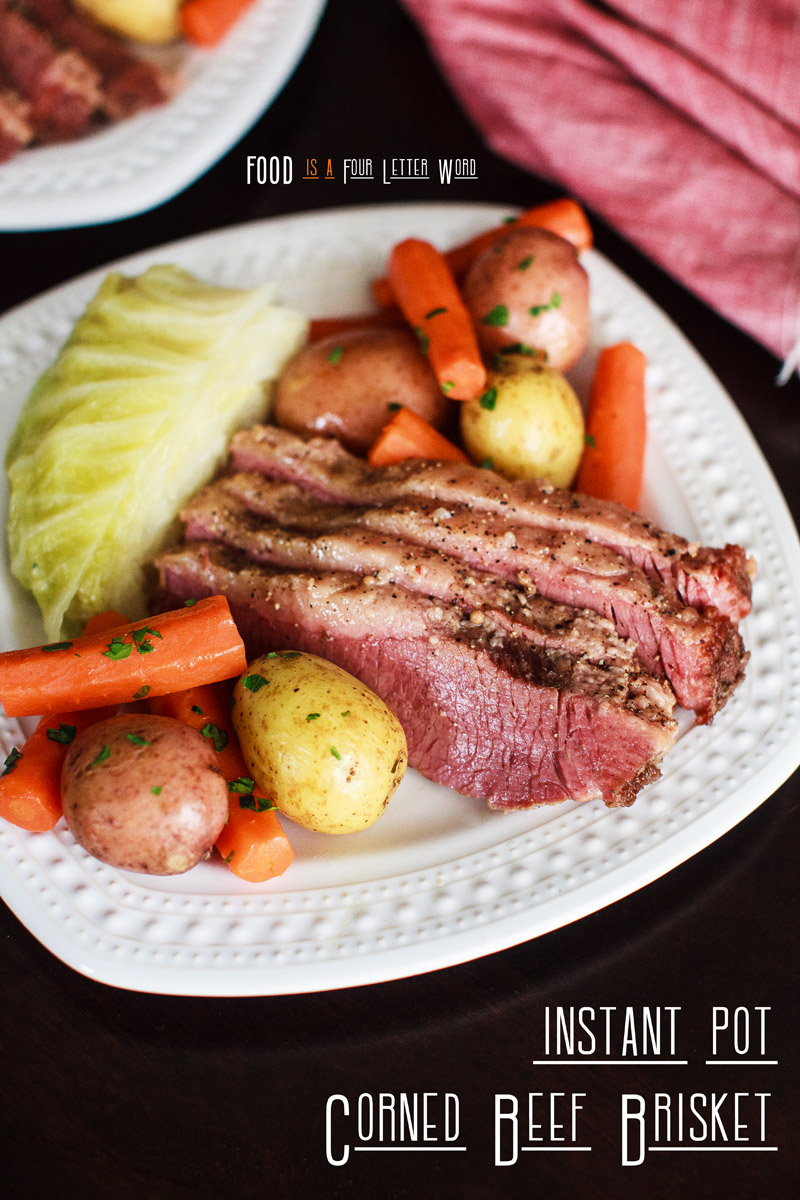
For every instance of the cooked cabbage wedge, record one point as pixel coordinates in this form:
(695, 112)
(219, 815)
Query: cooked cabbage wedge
(132, 417)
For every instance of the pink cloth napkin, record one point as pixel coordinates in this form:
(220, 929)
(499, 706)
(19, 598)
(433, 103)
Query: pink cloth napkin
(678, 121)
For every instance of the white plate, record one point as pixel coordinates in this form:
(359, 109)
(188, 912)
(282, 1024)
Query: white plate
(131, 166)
(439, 879)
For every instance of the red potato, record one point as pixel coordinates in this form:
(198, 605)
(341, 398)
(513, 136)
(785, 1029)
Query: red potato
(530, 289)
(346, 385)
(144, 793)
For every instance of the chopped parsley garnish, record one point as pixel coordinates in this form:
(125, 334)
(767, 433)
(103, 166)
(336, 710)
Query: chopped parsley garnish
(393, 407)
(498, 316)
(139, 635)
(242, 785)
(188, 603)
(448, 386)
(135, 740)
(229, 857)
(157, 790)
(424, 340)
(589, 440)
(524, 263)
(218, 736)
(57, 646)
(555, 302)
(313, 716)
(510, 220)
(256, 803)
(254, 683)
(13, 757)
(117, 650)
(336, 753)
(144, 647)
(514, 348)
(434, 313)
(346, 713)
(489, 398)
(65, 734)
(102, 756)
(335, 355)
(487, 464)
(142, 692)
(197, 709)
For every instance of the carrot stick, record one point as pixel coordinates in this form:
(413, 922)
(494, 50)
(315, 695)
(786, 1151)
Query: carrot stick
(408, 435)
(205, 22)
(429, 300)
(195, 644)
(30, 785)
(564, 217)
(252, 843)
(321, 327)
(613, 461)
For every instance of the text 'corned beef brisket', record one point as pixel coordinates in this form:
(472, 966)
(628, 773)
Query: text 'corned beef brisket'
(531, 641)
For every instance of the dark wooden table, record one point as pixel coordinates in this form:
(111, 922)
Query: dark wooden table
(107, 1093)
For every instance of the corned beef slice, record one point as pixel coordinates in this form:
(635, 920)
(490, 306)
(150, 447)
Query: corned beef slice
(492, 716)
(702, 576)
(701, 654)
(129, 83)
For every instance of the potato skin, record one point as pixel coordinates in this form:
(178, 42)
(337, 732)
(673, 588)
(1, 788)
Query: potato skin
(112, 809)
(318, 742)
(531, 269)
(342, 386)
(536, 428)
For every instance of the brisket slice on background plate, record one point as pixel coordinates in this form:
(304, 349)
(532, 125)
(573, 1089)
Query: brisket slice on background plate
(61, 75)
(531, 641)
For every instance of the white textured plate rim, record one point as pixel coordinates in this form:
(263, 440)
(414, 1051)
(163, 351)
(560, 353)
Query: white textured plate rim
(137, 164)
(511, 889)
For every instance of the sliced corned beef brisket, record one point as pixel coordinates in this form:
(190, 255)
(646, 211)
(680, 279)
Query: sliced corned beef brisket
(531, 641)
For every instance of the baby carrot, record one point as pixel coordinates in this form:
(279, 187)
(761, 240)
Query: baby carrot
(429, 300)
(198, 643)
(408, 435)
(30, 784)
(564, 217)
(205, 22)
(613, 461)
(252, 843)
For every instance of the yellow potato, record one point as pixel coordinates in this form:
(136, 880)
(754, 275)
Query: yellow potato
(145, 21)
(529, 422)
(319, 743)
